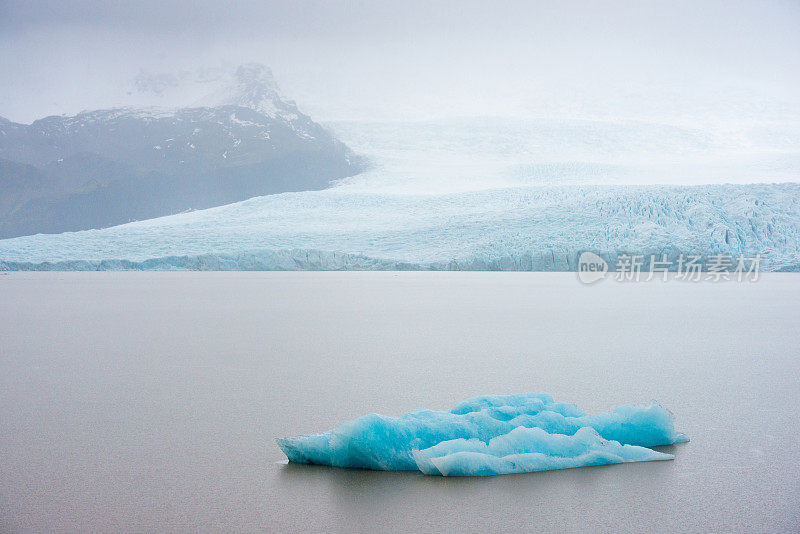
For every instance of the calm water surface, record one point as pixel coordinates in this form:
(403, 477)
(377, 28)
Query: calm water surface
(150, 401)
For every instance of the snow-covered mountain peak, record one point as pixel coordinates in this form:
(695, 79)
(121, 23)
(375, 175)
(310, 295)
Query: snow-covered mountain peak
(253, 86)
(242, 140)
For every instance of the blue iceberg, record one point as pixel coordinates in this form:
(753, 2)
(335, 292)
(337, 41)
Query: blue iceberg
(491, 435)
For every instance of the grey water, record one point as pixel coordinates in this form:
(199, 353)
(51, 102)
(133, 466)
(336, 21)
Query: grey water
(150, 401)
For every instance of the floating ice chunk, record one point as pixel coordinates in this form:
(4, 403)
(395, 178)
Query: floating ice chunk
(491, 435)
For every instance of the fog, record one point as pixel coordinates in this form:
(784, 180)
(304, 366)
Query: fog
(707, 62)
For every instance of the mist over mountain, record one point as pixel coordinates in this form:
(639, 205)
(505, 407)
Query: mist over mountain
(105, 167)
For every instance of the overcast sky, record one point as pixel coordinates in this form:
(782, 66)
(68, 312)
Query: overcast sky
(416, 59)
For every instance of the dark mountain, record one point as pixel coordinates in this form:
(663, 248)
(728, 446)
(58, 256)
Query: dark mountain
(107, 167)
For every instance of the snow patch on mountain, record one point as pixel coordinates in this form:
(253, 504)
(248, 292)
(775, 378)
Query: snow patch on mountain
(253, 86)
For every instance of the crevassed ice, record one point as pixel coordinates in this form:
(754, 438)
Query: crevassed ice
(528, 228)
(481, 194)
(491, 435)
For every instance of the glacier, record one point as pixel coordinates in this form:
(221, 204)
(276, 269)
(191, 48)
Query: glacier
(491, 435)
(538, 228)
(482, 194)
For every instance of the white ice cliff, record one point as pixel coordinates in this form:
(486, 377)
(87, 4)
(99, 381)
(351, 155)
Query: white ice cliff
(525, 228)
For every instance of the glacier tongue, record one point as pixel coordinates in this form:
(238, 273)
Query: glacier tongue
(491, 435)
(525, 228)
